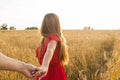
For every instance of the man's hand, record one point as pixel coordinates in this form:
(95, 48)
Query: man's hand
(29, 70)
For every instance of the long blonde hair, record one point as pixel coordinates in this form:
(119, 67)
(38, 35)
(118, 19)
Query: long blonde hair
(51, 25)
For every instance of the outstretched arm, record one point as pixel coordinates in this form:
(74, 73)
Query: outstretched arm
(7, 63)
(47, 58)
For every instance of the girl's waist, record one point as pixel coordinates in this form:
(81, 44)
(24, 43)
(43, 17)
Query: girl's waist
(55, 64)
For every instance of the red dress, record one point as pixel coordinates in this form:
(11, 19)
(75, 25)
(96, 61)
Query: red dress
(56, 69)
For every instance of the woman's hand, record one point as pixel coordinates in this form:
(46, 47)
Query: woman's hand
(42, 71)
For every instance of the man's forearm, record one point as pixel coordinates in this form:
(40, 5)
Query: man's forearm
(7, 63)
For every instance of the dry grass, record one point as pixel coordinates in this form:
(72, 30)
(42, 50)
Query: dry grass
(94, 54)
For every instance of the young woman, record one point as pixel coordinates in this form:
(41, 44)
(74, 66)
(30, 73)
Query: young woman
(52, 51)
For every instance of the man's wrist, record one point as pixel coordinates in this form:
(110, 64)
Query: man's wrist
(22, 67)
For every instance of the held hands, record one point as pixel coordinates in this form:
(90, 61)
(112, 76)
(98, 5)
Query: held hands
(42, 71)
(31, 71)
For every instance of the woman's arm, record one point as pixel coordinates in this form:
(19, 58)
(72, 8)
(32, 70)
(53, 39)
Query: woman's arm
(7, 63)
(47, 58)
(49, 53)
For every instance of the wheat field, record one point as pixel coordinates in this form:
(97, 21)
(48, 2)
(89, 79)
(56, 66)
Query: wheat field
(93, 54)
